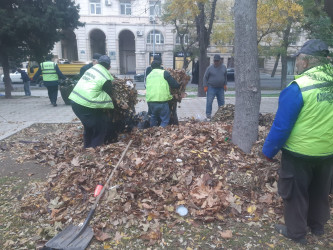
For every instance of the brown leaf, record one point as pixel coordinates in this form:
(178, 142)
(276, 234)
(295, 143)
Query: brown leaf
(101, 236)
(226, 234)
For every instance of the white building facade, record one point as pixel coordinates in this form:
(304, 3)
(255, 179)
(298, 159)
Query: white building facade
(125, 30)
(122, 29)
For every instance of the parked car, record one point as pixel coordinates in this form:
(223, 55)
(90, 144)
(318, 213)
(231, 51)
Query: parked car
(15, 77)
(139, 77)
(231, 74)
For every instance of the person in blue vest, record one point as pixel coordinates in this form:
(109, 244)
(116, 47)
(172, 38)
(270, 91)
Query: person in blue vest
(303, 131)
(92, 103)
(158, 84)
(51, 74)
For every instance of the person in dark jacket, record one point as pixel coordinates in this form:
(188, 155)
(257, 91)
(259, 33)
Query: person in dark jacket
(215, 84)
(302, 130)
(158, 94)
(83, 69)
(51, 74)
(26, 82)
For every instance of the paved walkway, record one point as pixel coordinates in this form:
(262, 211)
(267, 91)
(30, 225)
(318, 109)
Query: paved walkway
(21, 111)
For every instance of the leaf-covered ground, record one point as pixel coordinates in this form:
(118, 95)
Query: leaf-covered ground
(230, 196)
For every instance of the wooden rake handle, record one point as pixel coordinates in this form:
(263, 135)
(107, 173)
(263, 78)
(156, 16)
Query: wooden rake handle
(111, 175)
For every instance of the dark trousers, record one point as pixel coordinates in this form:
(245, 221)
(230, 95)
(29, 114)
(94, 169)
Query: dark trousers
(53, 93)
(173, 113)
(159, 110)
(304, 184)
(95, 123)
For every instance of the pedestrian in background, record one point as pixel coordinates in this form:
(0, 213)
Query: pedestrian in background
(83, 69)
(91, 103)
(159, 82)
(51, 74)
(26, 81)
(215, 84)
(303, 130)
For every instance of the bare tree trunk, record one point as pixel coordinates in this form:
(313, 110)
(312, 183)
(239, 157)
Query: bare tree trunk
(283, 71)
(275, 65)
(247, 82)
(204, 40)
(285, 45)
(329, 8)
(6, 78)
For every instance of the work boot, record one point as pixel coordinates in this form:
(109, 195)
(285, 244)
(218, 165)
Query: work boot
(282, 229)
(317, 232)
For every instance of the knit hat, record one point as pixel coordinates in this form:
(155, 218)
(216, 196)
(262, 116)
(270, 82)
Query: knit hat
(217, 57)
(96, 56)
(104, 59)
(314, 47)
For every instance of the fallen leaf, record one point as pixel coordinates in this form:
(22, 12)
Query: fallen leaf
(226, 234)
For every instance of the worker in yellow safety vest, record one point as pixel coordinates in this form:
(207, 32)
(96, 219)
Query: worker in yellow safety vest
(91, 101)
(303, 131)
(51, 74)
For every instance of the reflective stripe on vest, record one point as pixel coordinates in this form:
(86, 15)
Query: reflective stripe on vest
(88, 91)
(312, 133)
(49, 72)
(157, 88)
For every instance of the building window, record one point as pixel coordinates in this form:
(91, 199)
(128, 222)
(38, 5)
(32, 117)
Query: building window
(159, 39)
(185, 39)
(155, 8)
(125, 8)
(95, 7)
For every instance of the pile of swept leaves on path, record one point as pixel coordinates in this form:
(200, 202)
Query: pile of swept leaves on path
(193, 164)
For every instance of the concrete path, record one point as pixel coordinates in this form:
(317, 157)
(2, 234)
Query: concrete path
(21, 111)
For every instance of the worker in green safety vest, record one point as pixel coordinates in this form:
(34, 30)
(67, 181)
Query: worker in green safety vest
(91, 101)
(158, 84)
(51, 74)
(303, 131)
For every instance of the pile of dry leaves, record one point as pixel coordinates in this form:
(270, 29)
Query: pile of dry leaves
(182, 78)
(193, 164)
(124, 95)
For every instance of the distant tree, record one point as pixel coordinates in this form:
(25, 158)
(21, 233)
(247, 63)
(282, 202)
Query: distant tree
(248, 94)
(204, 20)
(223, 32)
(317, 22)
(278, 26)
(31, 28)
(203, 14)
(174, 14)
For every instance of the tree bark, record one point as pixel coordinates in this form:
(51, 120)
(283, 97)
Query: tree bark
(204, 40)
(285, 45)
(6, 78)
(275, 65)
(247, 82)
(329, 8)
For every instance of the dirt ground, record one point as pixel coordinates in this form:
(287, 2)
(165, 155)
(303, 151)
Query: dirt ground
(17, 232)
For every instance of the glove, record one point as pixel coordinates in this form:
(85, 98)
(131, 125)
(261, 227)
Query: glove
(206, 89)
(268, 159)
(225, 88)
